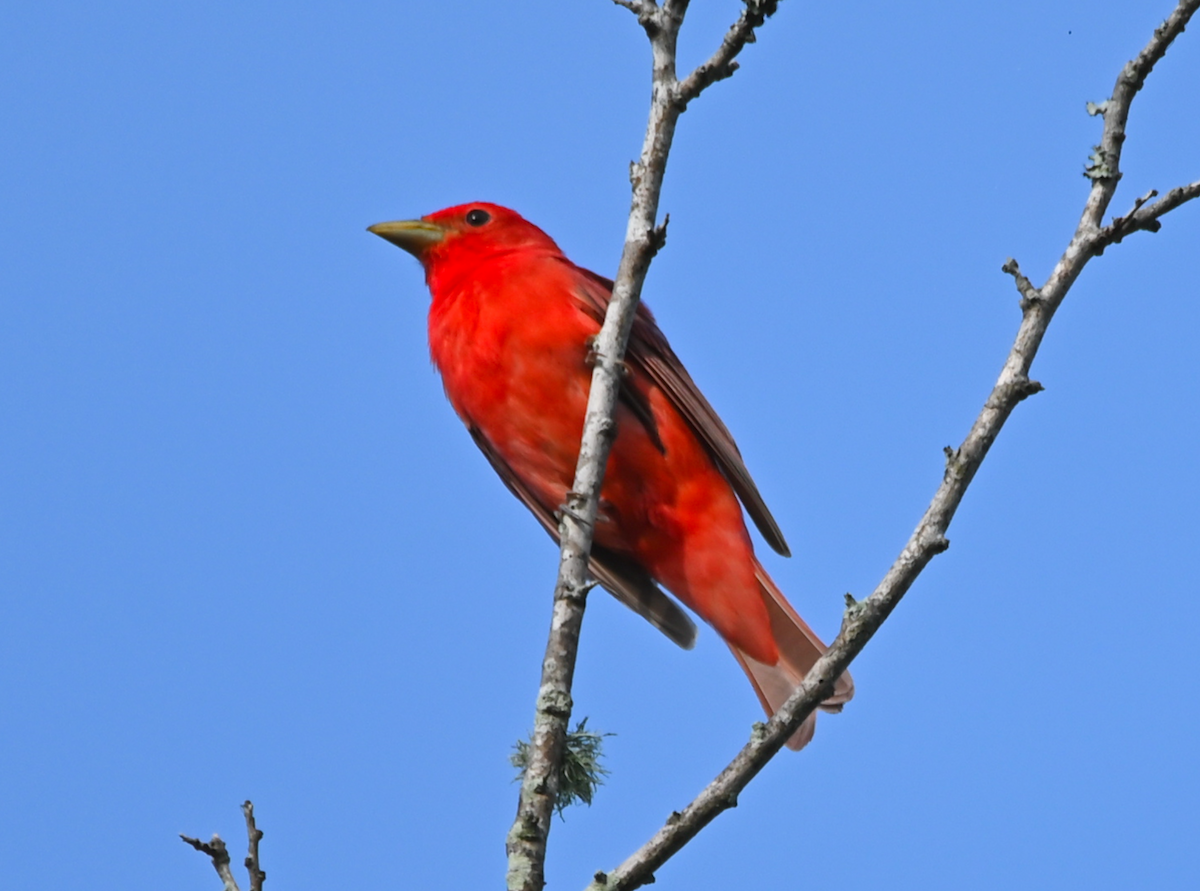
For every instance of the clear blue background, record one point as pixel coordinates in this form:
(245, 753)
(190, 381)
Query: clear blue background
(247, 551)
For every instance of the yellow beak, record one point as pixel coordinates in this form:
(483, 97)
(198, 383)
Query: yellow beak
(414, 236)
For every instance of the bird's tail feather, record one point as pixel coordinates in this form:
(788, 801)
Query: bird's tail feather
(799, 648)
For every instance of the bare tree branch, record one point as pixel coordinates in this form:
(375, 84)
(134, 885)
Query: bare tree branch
(637, 7)
(1104, 167)
(220, 858)
(216, 850)
(721, 64)
(862, 619)
(1144, 215)
(526, 843)
(257, 876)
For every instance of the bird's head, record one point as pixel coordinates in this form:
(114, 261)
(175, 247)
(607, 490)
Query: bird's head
(463, 233)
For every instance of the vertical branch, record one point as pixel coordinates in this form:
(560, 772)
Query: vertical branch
(254, 834)
(526, 844)
(527, 839)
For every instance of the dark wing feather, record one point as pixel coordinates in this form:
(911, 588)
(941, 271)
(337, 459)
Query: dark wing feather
(620, 576)
(649, 351)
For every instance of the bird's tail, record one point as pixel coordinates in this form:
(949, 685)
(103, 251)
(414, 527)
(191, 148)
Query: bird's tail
(799, 648)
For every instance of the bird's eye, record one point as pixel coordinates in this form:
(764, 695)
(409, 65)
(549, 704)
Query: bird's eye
(478, 217)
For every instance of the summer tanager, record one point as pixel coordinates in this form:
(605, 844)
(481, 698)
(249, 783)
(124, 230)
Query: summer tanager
(510, 329)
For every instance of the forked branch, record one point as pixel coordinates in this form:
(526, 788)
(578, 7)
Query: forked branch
(862, 619)
(219, 854)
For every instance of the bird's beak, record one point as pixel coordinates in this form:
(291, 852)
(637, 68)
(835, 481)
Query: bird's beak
(414, 236)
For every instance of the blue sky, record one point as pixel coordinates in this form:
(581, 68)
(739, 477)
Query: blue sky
(247, 551)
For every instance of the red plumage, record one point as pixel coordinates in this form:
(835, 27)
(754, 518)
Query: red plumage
(509, 330)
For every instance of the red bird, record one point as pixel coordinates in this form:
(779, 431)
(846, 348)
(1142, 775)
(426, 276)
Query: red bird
(509, 330)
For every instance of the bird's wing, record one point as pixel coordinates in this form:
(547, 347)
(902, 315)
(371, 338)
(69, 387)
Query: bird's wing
(620, 576)
(650, 352)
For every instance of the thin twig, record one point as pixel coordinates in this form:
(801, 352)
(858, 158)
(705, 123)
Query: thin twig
(526, 843)
(1029, 293)
(722, 63)
(862, 619)
(1145, 215)
(220, 858)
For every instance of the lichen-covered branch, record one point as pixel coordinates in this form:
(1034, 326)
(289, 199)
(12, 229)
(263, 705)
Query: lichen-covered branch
(526, 844)
(862, 619)
(1104, 167)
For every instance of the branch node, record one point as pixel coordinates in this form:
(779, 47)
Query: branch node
(1115, 231)
(658, 236)
(219, 855)
(854, 609)
(646, 13)
(1098, 108)
(215, 849)
(593, 356)
(554, 702)
(572, 595)
(953, 462)
(1030, 296)
(569, 510)
(575, 594)
(1023, 389)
